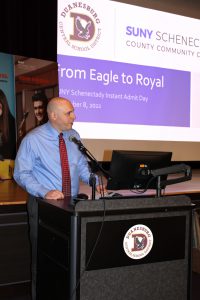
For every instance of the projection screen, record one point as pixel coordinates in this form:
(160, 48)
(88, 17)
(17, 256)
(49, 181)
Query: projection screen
(132, 73)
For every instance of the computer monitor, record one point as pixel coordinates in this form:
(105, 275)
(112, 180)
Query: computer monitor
(130, 169)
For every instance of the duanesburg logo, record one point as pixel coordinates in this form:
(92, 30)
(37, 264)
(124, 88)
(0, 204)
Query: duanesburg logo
(79, 25)
(138, 241)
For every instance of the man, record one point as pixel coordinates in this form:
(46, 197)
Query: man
(38, 164)
(40, 102)
(40, 107)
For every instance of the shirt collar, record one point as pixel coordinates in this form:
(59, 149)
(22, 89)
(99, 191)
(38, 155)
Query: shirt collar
(55, 133)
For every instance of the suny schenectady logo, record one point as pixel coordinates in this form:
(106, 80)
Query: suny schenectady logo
(79, 26)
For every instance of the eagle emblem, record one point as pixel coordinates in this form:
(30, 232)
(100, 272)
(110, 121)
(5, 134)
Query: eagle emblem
(82, 27)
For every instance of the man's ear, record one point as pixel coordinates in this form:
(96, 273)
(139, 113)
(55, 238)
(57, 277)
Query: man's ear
(53, 115)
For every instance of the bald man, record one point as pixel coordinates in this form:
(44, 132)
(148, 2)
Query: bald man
(37, 164)
(38, 167)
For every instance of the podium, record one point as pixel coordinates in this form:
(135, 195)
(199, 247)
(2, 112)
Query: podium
(82, 249)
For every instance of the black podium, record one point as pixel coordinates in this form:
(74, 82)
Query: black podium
(81, 252)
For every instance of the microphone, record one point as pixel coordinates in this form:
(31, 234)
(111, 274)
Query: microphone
(81, 147)
(25, 115)
(89, 155)
(75, 140)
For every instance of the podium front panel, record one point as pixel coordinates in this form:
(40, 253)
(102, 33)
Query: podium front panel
(71, 267)
(110, 274)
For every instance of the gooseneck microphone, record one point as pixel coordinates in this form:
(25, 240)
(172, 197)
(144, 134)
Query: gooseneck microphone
(89, 155)
(75, 140)
(81, 147)
(95, 164)
(25, 115)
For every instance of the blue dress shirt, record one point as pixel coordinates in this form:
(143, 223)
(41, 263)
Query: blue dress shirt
(37, 164)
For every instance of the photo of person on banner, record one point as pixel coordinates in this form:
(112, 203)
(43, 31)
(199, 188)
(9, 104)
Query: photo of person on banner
(35, 113)
(7, 129)
(40, 101)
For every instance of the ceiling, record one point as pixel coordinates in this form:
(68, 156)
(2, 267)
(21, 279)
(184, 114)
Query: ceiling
(26, 65)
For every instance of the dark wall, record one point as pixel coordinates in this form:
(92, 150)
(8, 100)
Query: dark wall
(28, 28)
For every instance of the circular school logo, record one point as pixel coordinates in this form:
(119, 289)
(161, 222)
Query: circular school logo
(138, 241)
(79, 26)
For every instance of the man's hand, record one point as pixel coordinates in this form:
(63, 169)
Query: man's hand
(54, 195)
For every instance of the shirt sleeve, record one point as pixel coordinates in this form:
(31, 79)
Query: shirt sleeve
(23, 173)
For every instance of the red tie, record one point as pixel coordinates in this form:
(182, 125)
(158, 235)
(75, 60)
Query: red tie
(66, 180)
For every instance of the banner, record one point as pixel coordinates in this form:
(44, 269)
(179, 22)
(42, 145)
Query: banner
(7, 108)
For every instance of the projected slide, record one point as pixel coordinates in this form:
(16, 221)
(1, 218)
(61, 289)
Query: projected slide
(128, 70)
(100, 90)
